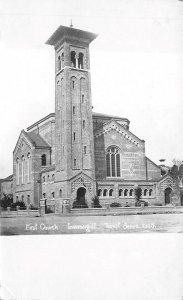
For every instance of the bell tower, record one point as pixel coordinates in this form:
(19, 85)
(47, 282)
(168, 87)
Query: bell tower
(74, 147)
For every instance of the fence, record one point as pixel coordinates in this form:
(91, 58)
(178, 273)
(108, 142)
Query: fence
(19, 212)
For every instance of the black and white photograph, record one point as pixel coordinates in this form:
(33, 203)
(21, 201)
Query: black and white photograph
(91, 156)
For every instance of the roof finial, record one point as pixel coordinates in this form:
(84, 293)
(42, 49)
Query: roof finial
(71, 24)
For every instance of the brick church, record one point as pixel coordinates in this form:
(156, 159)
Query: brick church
(75, 153)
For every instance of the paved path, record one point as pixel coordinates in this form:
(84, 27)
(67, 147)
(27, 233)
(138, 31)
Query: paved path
(57, 224)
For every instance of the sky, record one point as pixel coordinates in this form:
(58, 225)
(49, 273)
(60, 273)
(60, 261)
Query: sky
(136, 67)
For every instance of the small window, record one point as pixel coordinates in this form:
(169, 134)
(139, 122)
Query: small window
(74, 110)
(43, 178)
(73, 59)
(82, 98)
(28, 199)
(60, 193)
(84, 149)
(48, 177)
(150, 192)
(53, 195)
(99, 193)
(22, 198)
(59, 63)
(17, 198)
(126, 193)
(84, 124)
(110, 192)
(73, 84)
(131, 192)
(53, 177)
(44, 195)
(145, 192)
(74, 136)
(43, 160)
(105, 193)
(80, 61)
(74, 162)
(120, 192)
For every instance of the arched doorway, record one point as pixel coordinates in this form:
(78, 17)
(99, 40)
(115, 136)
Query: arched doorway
(167, 195)
(80, 201)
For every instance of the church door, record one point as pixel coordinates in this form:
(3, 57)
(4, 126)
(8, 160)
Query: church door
(167, 195)
(80, 200)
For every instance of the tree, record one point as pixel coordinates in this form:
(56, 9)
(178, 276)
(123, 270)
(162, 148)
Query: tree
(138, 193)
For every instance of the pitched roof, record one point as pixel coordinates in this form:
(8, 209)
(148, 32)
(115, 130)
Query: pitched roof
(100, 115)
(9, 178)
(37, 140)
(94, 115)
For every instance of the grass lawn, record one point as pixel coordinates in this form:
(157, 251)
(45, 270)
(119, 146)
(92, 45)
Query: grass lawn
(58, 224)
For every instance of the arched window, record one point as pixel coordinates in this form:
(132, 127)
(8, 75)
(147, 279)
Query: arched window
(28, 199)
(22, 198)
(62, 60)
(17, 171)
(131, 192)
(44, 195)
(145, 192)
(59, 63)
(113, 162)
(105, 193)
(53, 195)
(99, 193)
(84, 123)
(80, 61)
(110, 192)
(150, 192)
(73, 59)
(125, 193)
(60, 193)
(28, 167)
(23, 168)
(53, 177)
(43, 160)
(120, 192)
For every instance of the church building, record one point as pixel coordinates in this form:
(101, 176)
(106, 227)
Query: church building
(75, 153)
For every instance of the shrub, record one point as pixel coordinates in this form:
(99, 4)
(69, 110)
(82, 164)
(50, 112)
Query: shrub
(96, 203)
(6, 201)
(115, 204)
(138, 193)
(32, 207)
(79, 204)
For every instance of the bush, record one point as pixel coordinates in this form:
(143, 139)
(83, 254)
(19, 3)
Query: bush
(140, 202)
(96, 203)
(32, 207)
(6, 201)
(79, 204)
(158, 204)
(115, 204)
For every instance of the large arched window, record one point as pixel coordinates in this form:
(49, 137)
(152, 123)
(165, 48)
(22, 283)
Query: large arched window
(43, 160)
(113, 162)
